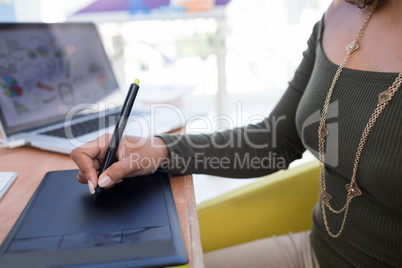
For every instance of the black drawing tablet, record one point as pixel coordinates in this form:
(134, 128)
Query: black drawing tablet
(134, 224)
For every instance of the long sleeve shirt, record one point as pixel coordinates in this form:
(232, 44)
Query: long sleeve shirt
(372, 236)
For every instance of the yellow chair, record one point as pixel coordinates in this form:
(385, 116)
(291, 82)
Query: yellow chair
(280, 203)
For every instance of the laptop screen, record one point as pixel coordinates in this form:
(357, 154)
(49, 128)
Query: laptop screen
(47, 69)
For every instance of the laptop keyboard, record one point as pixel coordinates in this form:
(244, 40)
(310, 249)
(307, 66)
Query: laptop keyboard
(89, 126)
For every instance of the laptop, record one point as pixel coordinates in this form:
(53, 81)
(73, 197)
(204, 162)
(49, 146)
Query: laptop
(58, 90)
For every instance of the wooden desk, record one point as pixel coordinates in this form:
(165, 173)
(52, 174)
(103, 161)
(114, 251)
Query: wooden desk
(32, 164)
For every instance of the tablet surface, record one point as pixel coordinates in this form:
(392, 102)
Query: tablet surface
(134, 224)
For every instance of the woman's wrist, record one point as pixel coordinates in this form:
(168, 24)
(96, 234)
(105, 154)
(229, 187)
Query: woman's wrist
(162, 153)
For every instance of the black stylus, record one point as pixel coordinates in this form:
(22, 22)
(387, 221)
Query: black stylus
(118, 132)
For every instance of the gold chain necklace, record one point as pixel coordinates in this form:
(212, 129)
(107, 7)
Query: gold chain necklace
(383, 99)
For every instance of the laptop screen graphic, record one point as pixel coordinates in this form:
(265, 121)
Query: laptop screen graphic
(47, 69)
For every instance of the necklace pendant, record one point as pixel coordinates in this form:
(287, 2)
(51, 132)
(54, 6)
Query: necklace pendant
(352, 47)
(325, 197)
(323, 132)
(353, 189)
(384, 97)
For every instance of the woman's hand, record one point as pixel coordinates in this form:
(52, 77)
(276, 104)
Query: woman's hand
(136, 156)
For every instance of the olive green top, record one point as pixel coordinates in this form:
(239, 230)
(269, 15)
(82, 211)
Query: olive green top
(372, 236)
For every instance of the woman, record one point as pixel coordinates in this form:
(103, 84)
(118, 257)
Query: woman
(344, 106)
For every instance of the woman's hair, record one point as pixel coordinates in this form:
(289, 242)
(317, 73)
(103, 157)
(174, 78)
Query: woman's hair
(364, 3)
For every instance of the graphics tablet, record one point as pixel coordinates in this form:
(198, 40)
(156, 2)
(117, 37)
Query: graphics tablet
(134, 224)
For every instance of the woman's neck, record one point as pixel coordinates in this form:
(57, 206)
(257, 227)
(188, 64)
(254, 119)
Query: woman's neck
(391, 11)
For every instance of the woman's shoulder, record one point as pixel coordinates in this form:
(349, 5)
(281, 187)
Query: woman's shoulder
(340, 10)
(341, 23)
(340, 14)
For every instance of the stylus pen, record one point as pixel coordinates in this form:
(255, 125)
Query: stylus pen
(118, 132)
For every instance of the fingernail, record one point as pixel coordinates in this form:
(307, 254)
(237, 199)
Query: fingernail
(91, 187)
(105, 182)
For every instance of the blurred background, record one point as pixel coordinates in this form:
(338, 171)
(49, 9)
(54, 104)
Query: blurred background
(232, 59)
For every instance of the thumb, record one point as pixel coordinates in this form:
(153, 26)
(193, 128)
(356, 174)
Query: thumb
(115, 173)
